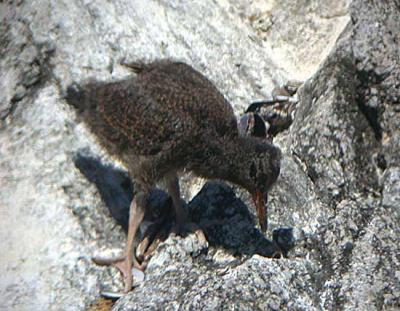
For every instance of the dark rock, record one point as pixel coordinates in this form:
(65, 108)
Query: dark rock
(284, 239)
(227, 222)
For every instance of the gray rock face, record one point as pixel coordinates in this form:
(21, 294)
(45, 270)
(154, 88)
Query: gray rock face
(62, 200)
(344, 141)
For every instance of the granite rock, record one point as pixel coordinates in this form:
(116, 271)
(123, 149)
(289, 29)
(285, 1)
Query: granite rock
(63, 200)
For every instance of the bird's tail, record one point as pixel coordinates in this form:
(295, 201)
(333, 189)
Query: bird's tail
(75, 96)
(136, 67)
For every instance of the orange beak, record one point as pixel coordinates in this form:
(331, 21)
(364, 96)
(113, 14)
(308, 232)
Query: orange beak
(261, 207)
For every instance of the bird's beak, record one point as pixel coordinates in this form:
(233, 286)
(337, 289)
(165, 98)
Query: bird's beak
(261, 207)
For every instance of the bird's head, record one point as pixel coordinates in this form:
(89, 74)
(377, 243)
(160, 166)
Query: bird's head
(260, 170)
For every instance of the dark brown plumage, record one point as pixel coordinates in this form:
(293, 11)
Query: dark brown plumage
(167, 119)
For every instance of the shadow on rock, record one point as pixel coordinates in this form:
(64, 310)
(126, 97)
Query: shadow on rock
(117, 190)
(114, 185)
(226, 220)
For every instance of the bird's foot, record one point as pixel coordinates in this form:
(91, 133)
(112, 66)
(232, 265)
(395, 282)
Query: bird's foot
(124, 264)
(152, 237)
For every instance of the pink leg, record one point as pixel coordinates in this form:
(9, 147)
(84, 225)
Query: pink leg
(182, 223)
(150, 242)
(125, 262)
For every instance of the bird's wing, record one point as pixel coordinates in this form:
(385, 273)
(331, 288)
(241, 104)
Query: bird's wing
(164, 106)
(148, 124)
(187, 92)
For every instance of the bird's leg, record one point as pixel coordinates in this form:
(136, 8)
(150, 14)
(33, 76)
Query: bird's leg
(181, 216)
(154, 234)
(148, 237)
(182, 225)
(151, 238)
(149, 244)
(125, 262)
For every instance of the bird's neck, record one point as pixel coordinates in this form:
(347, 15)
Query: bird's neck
(222, 159)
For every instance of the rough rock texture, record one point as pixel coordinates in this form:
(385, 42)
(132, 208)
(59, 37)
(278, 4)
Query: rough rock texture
(286, 26)
(340, 182)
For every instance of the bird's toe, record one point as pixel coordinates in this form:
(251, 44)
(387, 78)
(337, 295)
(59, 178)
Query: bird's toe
(124, 264)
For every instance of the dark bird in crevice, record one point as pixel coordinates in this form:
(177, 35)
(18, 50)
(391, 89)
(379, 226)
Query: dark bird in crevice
(167, 119)
(277, 112)
(252, 124)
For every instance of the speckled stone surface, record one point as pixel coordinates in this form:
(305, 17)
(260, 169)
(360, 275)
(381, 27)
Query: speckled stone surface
(340, 181)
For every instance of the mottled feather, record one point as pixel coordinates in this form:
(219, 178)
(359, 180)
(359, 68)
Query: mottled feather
(165, 105)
